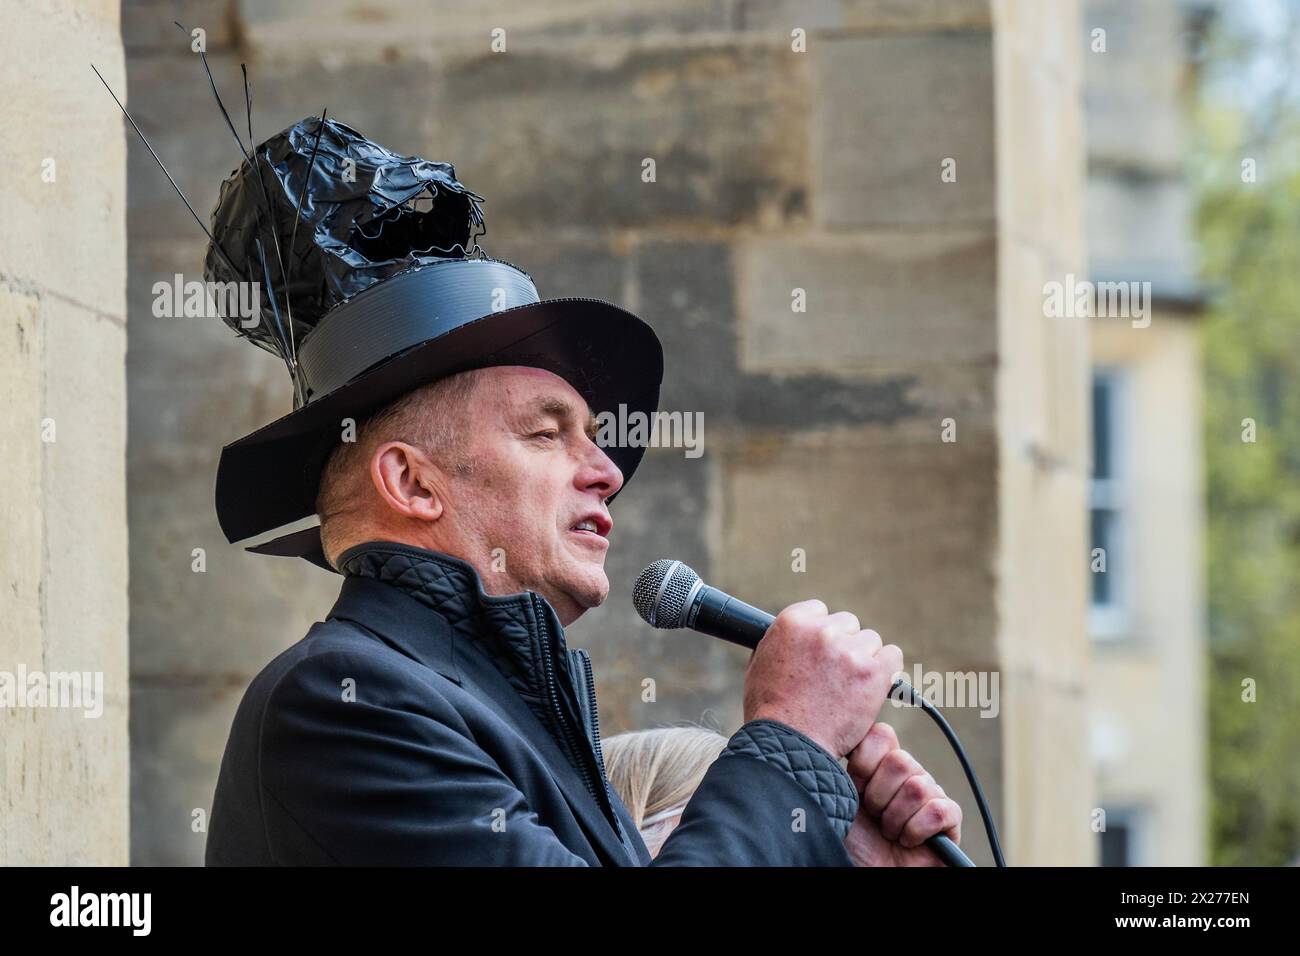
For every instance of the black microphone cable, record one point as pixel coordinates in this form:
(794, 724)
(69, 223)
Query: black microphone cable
(669, 594)
(905, 692)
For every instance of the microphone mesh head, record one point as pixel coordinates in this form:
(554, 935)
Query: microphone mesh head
(661, 591)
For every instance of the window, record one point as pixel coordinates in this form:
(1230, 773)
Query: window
(1110, 572)
(1123, 840)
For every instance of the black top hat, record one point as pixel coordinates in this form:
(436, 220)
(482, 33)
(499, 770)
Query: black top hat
(373, 285)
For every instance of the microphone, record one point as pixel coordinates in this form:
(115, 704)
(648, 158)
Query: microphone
(669, 594)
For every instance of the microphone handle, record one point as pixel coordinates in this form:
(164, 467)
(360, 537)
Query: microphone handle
(720, 615)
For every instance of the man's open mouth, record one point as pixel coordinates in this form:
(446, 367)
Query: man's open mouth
(595, 522)
(595, 527)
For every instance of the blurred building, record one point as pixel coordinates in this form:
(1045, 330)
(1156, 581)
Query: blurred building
(1146, 676)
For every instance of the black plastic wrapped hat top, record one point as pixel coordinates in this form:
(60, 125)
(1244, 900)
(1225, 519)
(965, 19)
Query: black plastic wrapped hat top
(332, 213)
(373, 284)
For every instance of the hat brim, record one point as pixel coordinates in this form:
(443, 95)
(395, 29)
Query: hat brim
(270, 478)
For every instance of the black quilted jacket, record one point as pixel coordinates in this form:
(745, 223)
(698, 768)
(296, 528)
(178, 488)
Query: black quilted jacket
(428, 723)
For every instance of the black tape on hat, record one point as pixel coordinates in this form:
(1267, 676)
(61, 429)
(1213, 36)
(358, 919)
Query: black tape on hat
(404, 311)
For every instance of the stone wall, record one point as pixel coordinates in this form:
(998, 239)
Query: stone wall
(776, 171)
(63, 566)
(1042, 426)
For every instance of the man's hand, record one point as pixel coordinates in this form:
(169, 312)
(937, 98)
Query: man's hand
(901, 805)
(808, 664)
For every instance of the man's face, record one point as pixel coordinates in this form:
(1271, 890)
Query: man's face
(536, 475)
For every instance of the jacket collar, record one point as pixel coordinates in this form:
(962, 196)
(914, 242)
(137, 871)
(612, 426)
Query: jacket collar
(509, 649)
(515, 630)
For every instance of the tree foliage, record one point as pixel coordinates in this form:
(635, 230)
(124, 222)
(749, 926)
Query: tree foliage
(1249, 236)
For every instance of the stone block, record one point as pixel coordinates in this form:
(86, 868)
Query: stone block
(890, 110)
(149, 26)
(725, 126)
(875, 301)
(276, 27)
(861, 15)
(64, 205)
(85, 510)
(21, 493)
(901, 529)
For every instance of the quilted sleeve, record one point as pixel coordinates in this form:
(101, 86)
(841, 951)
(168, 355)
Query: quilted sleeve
(806, 761)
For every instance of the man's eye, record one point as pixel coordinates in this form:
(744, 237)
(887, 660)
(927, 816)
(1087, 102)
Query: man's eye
(550, 433)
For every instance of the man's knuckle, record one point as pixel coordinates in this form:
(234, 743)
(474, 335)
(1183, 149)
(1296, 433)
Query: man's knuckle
(895, 760)
(916, 788)
(885, 734)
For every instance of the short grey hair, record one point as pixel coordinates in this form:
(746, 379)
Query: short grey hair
(429, 417)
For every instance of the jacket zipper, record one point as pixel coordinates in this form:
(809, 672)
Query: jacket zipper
(555, 702)
(607, 804)
(590, 683)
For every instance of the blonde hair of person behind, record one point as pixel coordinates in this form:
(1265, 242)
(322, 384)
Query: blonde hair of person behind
(656, 771)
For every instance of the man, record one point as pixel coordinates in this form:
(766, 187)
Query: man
(437, 715)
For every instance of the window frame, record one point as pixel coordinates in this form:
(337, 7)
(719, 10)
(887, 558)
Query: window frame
(1137, 819)
(1113, 620)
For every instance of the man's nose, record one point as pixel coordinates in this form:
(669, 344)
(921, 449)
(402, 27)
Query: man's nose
(600, 472)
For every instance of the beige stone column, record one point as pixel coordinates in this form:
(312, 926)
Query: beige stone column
(64, 776)
(1042, 422)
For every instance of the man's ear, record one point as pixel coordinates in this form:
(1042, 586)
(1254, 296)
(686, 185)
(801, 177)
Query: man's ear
(408, 483)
